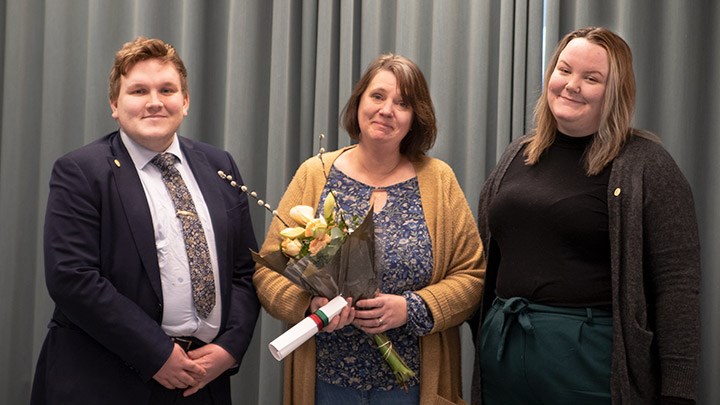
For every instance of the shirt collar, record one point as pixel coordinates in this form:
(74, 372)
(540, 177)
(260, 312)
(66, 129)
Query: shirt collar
(141, 155)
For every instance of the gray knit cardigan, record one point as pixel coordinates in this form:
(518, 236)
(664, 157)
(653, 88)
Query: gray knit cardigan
(655, 266)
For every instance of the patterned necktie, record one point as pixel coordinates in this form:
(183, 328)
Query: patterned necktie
(201, 275)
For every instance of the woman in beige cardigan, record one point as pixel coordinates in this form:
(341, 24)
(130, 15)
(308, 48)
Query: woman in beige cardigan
(432, 274)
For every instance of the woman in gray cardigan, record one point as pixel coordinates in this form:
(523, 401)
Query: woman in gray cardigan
(593, 256)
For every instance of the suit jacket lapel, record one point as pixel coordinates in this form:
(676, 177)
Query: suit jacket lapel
(134, 202)
(208, 181)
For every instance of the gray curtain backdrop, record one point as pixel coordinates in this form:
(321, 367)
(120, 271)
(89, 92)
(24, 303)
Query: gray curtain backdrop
(266, 77)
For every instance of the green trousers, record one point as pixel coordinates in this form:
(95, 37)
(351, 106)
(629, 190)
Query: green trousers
(539, 354)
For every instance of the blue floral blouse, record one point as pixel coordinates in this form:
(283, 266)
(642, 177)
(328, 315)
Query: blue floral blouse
(349, 357)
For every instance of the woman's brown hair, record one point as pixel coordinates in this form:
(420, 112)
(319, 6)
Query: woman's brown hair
(415, 93)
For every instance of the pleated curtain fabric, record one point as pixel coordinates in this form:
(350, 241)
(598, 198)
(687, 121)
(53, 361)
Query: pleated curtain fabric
(267, 76)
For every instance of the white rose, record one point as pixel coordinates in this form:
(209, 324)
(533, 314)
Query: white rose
(302, 214)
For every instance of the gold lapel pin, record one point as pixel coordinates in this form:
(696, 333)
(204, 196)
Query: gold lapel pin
(117, 163)
(617, 192)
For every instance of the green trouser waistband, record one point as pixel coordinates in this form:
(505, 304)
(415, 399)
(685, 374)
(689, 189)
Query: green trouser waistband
(518, 308)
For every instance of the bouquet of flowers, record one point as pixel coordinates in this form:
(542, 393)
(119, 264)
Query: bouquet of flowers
(331, 258)
(330, 255)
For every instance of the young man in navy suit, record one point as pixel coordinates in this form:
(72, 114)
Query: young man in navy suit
(126, 328)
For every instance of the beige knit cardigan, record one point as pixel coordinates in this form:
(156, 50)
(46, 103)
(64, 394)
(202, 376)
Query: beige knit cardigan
(452, 295)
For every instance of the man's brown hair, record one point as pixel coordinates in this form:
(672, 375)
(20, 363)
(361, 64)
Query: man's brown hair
(141, 49)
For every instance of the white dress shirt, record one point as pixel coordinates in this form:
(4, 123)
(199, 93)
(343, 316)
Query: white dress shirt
(179, 315)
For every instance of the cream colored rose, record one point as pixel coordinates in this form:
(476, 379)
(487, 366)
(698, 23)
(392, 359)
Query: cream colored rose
(291, 247)
(292, 233)
(316, 228)
(302, 214)
(329, 207)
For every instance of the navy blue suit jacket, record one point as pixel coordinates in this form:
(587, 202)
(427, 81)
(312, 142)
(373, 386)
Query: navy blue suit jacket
(105, 341)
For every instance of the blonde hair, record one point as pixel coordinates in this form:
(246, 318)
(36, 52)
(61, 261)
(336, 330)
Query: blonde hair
(141, 49)
(618, 103)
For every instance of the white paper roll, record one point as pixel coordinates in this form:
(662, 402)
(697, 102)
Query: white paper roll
(304, 330)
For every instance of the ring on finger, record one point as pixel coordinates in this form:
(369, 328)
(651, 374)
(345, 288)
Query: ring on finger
(380, 321)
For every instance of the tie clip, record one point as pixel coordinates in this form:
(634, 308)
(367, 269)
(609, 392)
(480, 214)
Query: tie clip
(186, 213)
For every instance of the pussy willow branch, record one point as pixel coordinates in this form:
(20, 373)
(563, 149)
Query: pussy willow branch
(340, 210)
(252, 194)
(267, 206)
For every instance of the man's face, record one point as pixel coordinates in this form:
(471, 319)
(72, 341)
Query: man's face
(151, 106)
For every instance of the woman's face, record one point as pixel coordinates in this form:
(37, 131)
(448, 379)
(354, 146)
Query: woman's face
(383, 116)
(576, 89)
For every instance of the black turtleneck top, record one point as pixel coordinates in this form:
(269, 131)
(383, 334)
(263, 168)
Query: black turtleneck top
(550, 223)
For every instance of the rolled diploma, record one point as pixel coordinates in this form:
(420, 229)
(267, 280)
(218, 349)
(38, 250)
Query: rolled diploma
(304, 330)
